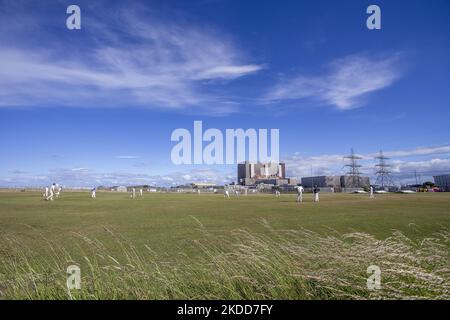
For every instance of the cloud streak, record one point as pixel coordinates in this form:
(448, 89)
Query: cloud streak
(129, 59)
(345, 84)
(419, 151)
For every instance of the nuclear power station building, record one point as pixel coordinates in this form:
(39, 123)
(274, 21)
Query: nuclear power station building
(249, 173)
(272, 173)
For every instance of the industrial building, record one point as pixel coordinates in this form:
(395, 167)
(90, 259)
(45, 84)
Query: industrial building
(249, 173)
(339, 183)
(322, 182)
(443, 181)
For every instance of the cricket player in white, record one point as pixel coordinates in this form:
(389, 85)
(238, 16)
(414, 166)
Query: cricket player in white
(300, 193)
(50, 194)
(140, 192)
(371, 196)
(46, 192)
(58, 190)
(277, 193)
(93, 195)
(316, 194)
(226, 193)
(133, 193)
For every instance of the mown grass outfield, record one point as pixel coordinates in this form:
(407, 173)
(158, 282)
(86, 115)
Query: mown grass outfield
(205, 246)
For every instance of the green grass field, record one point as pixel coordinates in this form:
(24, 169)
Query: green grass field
(195, 236)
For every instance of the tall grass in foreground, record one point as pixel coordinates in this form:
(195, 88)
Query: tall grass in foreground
(281, 264)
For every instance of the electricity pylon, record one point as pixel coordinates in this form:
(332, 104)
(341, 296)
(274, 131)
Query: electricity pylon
(354, 169)
(383, 173)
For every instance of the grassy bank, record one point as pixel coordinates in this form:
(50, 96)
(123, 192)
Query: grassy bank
(207, 247)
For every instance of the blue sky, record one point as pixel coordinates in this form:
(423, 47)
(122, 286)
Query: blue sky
(98, 105)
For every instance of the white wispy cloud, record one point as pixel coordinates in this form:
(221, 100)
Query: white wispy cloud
(127, 157)
(228, 72)
(80, 169)
(419, 151)
(129, 59)
(427, 167)
(345, 84)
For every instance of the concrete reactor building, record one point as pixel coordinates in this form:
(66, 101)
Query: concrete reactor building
(249, 173)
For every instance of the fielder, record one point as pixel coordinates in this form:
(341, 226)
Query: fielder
(277, 193)
(140, 192)
(226, 193)
(58, 190)
(133, 193)
(50, 195)
(371, 196)
(316, 194)
(300, 194)
(93, 191)
(46, 193)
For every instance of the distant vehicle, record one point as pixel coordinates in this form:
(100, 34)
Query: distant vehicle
(359, 191)
(381, 191)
